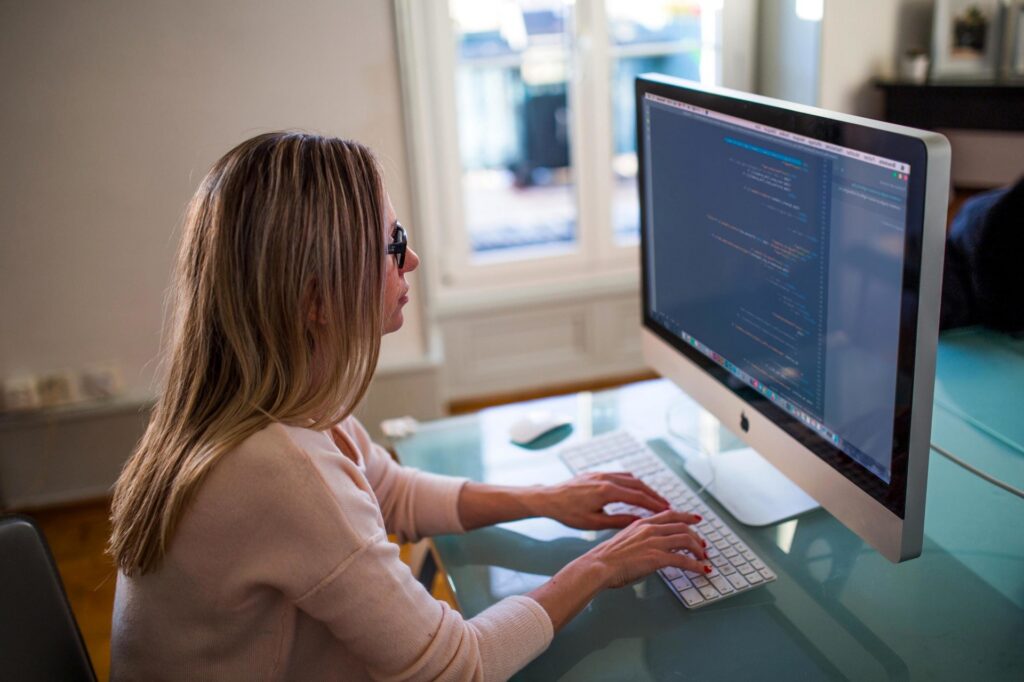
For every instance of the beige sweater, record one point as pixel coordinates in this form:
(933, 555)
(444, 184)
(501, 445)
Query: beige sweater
(280, 569)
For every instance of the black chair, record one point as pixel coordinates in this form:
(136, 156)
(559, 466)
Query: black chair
(39, 638)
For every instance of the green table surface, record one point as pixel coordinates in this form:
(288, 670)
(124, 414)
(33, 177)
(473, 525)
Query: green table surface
(838, 610)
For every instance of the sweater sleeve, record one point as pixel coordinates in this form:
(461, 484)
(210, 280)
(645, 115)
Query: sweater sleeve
(414, 503)
(375, 608)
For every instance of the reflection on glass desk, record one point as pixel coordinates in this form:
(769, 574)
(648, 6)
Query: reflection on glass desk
(838, 610)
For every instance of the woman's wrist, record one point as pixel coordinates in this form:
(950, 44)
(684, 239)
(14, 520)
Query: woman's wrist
(594, 573)
(484, 505)
(571, 589)
(536, 500)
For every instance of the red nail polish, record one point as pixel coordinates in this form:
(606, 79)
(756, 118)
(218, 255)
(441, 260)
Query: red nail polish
(703, 543)
(707, 569)
(698, 517)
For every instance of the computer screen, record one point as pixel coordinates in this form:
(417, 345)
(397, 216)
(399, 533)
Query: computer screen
(787, 256)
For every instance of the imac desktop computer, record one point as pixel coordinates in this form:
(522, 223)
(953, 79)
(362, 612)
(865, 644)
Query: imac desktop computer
(791, 270)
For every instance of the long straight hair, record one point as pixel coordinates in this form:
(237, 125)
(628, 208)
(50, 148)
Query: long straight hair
(277, 317)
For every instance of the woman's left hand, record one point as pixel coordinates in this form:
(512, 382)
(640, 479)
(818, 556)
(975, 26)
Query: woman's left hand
(579, 502)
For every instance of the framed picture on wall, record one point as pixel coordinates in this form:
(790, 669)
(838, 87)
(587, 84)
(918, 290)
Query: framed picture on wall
(966, 39)
(1013, 62)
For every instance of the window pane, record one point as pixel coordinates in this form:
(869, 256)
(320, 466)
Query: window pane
(645, 35)
(512, 103)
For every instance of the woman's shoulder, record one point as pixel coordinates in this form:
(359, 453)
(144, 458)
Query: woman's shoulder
(281, 445)
(280, 458)
(272, 447)
(282, 472)
(267, 510)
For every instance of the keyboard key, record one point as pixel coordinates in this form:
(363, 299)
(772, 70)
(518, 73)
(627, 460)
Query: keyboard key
(691, 597)
(699, 581)
(754, 577)
(737, 581)
(767, 574)
(746, 569)
(671, 572)
(709, 592)
(681, 584)
(721, 584)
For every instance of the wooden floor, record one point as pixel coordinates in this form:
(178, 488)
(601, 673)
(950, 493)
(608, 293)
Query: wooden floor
(78, 537)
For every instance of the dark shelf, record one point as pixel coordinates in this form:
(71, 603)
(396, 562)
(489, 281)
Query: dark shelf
(975, 105)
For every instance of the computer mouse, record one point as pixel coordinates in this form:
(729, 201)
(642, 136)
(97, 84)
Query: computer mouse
(529, 429)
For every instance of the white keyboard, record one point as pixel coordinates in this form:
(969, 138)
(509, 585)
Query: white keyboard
(735, 568)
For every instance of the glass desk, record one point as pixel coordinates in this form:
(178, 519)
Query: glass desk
(838, 610)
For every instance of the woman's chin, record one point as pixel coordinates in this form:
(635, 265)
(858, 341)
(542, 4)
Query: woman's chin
(394, 323)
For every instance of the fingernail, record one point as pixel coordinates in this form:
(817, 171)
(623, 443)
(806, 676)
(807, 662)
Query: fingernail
(698, 517)
(707, 569)
(703, 543)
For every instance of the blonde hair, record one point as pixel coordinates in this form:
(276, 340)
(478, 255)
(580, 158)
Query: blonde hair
(277, 318)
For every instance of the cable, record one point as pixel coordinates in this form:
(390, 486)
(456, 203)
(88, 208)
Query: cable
(978, 472)
(693, 444)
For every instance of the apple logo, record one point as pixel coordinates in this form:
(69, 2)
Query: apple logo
(744, 422)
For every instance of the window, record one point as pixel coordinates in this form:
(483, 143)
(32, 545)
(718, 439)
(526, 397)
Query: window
(522, 127)
(512, 87)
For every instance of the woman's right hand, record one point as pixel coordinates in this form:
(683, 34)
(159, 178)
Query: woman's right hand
(641, 548)
(649, 544)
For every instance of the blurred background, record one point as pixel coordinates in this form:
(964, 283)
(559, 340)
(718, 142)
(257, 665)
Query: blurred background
(506, 130)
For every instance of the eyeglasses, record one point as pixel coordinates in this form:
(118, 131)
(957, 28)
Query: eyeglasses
(399, 242)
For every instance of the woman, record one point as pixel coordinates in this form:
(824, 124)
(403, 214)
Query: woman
(249, 526)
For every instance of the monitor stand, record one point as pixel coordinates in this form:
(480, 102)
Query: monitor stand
(749, 487)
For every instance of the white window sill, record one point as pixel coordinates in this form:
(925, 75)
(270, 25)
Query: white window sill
(452, 302)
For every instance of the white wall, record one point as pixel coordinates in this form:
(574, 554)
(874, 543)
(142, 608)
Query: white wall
(112, 111)
(788, 53)
(858, 43)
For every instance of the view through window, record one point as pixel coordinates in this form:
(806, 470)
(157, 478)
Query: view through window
(514, 75)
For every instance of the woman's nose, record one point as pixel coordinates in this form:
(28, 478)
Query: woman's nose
(412, 260)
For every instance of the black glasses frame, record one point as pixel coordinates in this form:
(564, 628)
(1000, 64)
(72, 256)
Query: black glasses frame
(398, 245)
